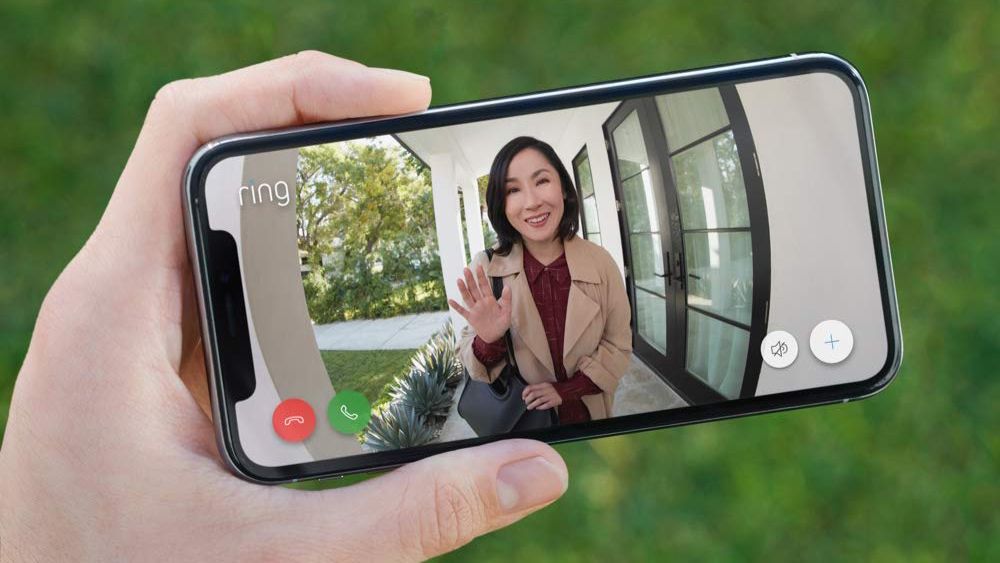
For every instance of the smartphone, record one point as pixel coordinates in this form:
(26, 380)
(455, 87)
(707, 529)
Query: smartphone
(723, 253)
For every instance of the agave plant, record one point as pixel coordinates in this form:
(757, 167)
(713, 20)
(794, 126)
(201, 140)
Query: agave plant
(439, 358)
(397, 426)
(447, 335)
(423, 392)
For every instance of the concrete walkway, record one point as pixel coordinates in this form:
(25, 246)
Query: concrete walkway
(396, 333)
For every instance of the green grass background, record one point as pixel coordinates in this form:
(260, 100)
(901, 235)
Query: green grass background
(910, 475)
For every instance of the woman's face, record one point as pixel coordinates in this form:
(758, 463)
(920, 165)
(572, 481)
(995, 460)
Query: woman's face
(534, 202)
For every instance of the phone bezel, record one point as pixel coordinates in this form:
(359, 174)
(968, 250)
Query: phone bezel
(243, 144)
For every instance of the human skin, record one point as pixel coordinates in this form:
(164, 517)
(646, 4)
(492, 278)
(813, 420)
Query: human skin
(533, 204)
(109, 453)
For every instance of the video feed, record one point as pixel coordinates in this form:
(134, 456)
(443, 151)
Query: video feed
(554, 268)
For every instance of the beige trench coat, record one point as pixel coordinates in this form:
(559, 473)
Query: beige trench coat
(598, 335)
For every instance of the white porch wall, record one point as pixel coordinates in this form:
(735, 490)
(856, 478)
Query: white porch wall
(822, 255)
(585, 127)
(448, 221)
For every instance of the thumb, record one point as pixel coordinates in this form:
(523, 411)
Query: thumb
(440, 503)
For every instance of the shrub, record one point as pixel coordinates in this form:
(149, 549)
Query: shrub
(423, 392)
(447, 336)
(315, 285)
(439, 358)
(397, 426)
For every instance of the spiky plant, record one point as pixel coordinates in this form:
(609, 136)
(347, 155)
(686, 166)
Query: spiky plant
(424, 392)
(439, 358)
(447, 335)
(397, 426)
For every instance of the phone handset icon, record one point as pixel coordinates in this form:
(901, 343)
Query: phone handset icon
(347, 413)
(294, 419)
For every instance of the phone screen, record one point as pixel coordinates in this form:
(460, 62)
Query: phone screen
(662, 252)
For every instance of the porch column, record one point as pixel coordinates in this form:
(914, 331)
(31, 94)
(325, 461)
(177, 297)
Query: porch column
(448, 221)
(473, 216)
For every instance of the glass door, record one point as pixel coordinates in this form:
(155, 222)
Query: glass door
(643, 209)
(693, 254)
(715, 229)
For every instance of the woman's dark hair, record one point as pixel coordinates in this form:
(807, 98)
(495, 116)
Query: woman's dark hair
(496, 193)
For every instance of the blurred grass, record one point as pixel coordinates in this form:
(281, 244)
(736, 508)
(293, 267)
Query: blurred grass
(910, 475)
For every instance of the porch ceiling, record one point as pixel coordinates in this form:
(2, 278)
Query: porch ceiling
(474, 145)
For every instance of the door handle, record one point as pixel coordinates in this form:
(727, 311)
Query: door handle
(679, 268)
(674, 271)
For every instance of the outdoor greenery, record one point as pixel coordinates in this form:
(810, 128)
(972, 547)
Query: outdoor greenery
(369, 372)
(423, 392)
(439, 357)
(365, 217)
(420, 397)
(908, 475)
(397, 426)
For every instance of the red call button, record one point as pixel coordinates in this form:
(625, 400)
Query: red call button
(294, 420)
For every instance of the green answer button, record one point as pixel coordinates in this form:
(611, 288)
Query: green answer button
(349, 412)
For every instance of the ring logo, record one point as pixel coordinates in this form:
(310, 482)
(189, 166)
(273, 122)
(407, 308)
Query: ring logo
(266, 193)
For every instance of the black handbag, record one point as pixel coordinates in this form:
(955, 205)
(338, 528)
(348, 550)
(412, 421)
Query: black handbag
(497, 407)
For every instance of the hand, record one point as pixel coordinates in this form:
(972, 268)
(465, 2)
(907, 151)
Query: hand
(541, 396)
(107, 456)
(488, 317)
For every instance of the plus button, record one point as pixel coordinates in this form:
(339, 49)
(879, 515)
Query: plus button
(831, 342)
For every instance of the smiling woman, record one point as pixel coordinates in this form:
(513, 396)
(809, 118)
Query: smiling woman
(563, 300)
(527, 185)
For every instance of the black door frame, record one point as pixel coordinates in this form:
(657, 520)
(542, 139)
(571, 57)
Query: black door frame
(673, 360)
(581, 156)
(760, 235)
(672, 369)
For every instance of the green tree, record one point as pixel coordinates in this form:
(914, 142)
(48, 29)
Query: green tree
(366, 221)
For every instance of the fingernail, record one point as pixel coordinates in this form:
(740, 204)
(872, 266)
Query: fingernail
(531, 482)
(403, 74)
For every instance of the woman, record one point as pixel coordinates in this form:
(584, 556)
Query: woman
(563, 299)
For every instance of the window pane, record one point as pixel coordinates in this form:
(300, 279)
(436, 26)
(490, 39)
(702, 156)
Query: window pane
(689, 116)
(717, 353)
(640, 205)
(647, 260)
(586, 179)
(720, 273)
(630, 147)
(590, 214)
(651, 319)
(710, 185)
(595, 238)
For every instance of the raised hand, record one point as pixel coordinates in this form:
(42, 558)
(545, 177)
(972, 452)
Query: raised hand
(488, 316)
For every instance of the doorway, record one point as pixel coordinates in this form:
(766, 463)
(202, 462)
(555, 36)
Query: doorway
(694, 229)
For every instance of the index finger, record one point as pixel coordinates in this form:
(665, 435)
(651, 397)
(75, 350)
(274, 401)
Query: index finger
(306, 87)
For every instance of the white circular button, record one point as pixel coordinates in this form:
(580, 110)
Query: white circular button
(779, 349)
(831, 342)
